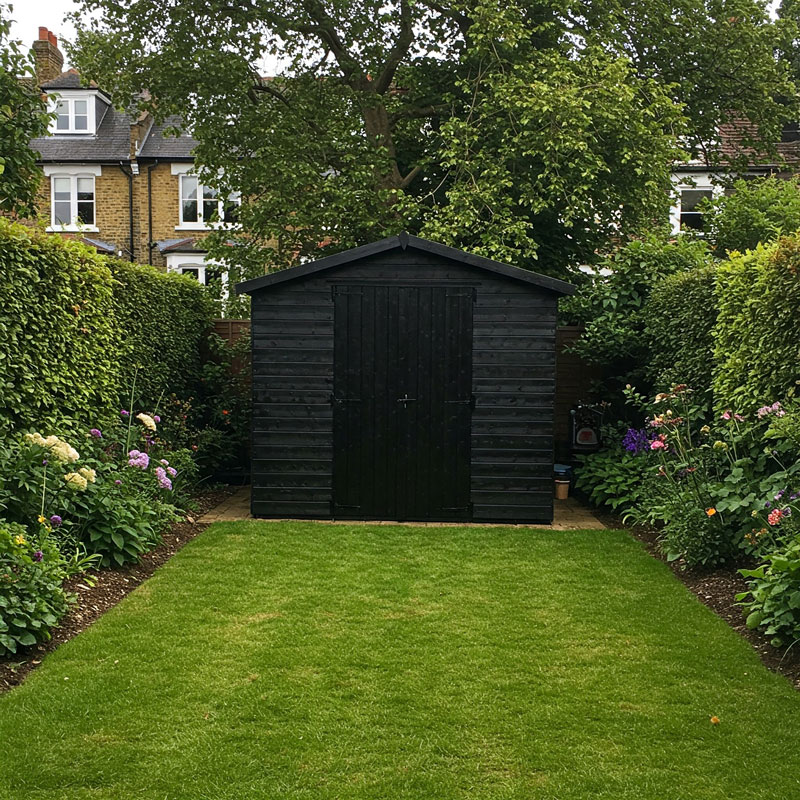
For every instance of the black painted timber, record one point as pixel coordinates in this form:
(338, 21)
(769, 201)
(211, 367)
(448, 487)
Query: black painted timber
(404, 380)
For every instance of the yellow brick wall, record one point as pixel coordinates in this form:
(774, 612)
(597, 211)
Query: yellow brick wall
(111, 210)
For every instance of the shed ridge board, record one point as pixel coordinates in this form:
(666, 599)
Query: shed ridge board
(405, 242)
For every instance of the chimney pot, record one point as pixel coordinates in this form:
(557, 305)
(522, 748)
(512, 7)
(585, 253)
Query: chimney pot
(52, 38)
(43, 34)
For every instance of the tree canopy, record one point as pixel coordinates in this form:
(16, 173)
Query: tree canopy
(528, 131)
(23, 116)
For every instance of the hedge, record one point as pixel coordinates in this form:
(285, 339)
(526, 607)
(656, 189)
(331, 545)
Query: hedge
(165, 318)
(757, 336)
(73, 325)
(680, 315)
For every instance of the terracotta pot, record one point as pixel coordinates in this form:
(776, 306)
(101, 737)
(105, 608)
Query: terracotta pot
(562, 490)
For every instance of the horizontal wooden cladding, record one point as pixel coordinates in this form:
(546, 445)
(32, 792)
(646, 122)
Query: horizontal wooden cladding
(514, 400)
(290, 510)
(514, 358)
(525, 514)
(527, 415)
(483, 456)
(268, 382)
(492, 471)
(521, 300)
(502, 373)
(306, 357)
(280, 494)
(296, 295)
(267, 370)
(520, 319)
(522, 384)
(322, 438)
(280, 340)
(321, 410)
(514, 343)
(511, 427)
(286, 330)
(503, 484)
(293, 480)
(265, 313)
(264, 467)
(263, 423)
(540, 497)
(292, 396)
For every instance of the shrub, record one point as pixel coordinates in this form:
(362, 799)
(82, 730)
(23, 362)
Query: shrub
(679, 329)
(57, 327)
(773, 595)
(611, 477)
(76, 327)
(164, 320)
(613, 307)
(757, 335)
(704, 477)
(32, 600)
(757, 210)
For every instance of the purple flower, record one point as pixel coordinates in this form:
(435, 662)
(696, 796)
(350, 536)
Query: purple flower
(637, 440)
(96, 433)
(124, 413)
(164, 462)
(779, 495)
(163, 481)
(138, 459)
(156, 418)
(38, 555)
(56, 521)
(118, 482)
(44, 462)
(172, 471)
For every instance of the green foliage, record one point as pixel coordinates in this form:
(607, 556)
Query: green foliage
(23, 116)
(519, 131)
(679, 319)
(32, 599)
(755, 211)
(757, 335)
(76, 327)
(164, 320)
(773, 595)
(58, 330)
(613, 305)
(611, 477)
(703, 479)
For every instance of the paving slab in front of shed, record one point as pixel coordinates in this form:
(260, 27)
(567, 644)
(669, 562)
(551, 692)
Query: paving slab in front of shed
(569, 515)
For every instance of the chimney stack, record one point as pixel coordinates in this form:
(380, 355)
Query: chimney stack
(49, 61)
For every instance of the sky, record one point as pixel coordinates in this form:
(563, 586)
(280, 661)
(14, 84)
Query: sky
(28, 15)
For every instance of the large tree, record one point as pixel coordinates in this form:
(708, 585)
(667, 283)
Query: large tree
(530, 131)
(23, 116)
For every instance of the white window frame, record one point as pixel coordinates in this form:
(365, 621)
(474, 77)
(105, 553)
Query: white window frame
(690, 181)
(73, 172)
(70, 98)
(185, 170)
(177, 262)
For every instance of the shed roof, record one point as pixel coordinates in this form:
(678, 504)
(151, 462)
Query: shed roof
(405, 241)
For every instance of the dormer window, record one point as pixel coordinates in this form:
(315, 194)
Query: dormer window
(74, 113)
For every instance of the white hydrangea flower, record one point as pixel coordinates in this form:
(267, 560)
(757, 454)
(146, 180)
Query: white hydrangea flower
(147, 421)
(88, 473)
(76, 481)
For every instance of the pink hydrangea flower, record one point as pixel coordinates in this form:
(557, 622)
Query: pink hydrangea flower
(138, 459)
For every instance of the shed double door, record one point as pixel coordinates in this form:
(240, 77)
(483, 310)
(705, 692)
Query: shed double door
(402, 402)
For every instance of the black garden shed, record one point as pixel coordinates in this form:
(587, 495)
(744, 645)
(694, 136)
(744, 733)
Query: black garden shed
(404, 380)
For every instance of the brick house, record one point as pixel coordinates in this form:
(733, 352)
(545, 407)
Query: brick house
(117, 181)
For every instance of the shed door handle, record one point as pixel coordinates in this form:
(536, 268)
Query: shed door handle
(406, 399)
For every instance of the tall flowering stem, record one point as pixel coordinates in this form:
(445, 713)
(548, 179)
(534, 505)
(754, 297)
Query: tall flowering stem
(130, 413)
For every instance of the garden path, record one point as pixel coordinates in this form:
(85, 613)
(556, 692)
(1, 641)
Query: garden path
(570, 514)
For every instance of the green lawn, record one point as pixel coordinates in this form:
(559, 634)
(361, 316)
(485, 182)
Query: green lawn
(282, 661)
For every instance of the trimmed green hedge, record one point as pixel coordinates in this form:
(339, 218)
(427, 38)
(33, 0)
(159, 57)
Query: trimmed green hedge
(73, 326)
(680, 315)
(757, 336)
(166, 319)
